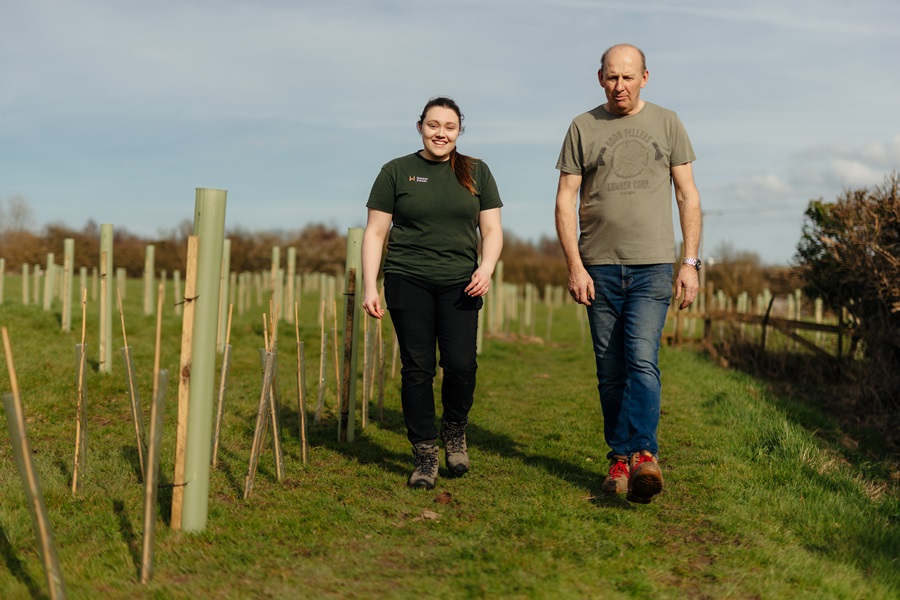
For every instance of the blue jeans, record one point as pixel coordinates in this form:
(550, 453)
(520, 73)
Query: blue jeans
(627, 317)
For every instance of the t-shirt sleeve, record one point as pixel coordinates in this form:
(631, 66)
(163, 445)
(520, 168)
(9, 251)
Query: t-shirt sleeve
(571, 159)
(487, 188)
(682, 150)
(383, 192)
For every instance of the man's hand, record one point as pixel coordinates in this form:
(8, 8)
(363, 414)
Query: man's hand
(581, 285)
(687, 285)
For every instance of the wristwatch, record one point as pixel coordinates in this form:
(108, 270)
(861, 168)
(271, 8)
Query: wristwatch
(694, 262)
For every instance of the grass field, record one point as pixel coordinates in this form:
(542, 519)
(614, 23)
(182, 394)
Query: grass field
(756, 504)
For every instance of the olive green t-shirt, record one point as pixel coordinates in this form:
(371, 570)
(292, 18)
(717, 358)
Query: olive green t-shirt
(433, 235)
(625, 208)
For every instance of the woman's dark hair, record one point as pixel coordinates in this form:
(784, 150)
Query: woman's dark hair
(460, 163)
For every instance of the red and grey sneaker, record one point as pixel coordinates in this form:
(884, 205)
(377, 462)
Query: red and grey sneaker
(646, 478)
(617, 480)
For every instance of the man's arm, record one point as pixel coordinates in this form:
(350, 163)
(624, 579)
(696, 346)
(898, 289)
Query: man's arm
(689, 213)
(581, 285)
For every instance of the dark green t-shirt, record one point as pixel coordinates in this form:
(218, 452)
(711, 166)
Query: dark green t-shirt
(433, 235)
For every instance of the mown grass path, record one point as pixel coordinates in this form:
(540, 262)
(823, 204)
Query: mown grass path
(755, 506)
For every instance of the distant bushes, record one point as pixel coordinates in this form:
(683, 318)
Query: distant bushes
(319, 248)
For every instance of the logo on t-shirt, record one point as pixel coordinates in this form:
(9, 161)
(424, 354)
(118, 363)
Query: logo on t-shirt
(628, 153)
(415, 179)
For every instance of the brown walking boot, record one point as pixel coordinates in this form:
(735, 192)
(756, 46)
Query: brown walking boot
(646, 478)
(617, 480)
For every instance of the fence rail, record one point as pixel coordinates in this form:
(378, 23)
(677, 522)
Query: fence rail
(790, 328)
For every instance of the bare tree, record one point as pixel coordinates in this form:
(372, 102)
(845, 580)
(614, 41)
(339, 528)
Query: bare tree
(19, 216)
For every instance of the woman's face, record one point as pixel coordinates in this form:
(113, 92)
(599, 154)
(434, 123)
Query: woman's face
(439, 130)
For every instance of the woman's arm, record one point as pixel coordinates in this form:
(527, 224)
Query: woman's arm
(377, 226)
(491, 245)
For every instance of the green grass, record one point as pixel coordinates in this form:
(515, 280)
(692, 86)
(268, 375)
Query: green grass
(756, 505)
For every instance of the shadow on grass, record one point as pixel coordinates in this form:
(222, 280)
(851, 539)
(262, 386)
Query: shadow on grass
(364, 449)
(128, 535)
(601, 500)
(367, 451)
(17, 567)
(164, 487)
(130, 455)
(224, 463)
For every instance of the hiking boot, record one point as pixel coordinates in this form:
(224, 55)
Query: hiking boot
(457, 453)
(617, 480)
(425, 459)
(646, 478)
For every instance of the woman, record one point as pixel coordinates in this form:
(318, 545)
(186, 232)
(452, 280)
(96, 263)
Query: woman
(432, 203)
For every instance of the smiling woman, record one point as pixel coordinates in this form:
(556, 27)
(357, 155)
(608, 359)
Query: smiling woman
(439, 126)
(433, 203)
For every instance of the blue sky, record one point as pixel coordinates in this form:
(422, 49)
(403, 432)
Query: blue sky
(116, 110)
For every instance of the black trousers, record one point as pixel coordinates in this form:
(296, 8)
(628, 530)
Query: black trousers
(426, 315)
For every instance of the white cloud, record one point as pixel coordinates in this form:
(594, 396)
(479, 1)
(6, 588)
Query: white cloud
(853, 173)
(840, 165)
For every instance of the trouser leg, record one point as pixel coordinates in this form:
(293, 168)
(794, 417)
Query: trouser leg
(412, 310)
(457, 329)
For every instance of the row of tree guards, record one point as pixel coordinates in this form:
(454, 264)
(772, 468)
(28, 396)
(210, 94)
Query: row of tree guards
(206, 327)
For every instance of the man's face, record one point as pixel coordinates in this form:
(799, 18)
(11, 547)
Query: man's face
(623, 77)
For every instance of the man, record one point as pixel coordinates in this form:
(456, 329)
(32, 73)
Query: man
(623, 155)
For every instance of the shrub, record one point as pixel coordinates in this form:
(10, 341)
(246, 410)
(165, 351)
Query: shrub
(849, 255)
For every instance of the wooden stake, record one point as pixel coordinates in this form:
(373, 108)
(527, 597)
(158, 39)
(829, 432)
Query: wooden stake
(80, 421)
(274, 405)
(223, 386)
(151, 481)
(366, 375)
(160, 296)
(344, 422)
(301, 385)
(151, 473)
(43, 530)
(261, 424)
(137, 412)
(323, 357)
(184, 381)
(336, 361)
(395, 350)
(382, 359)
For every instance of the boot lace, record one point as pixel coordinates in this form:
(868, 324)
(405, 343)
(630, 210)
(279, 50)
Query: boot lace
(642, 458)
(619, 469)
(425, 460)
(454, 437)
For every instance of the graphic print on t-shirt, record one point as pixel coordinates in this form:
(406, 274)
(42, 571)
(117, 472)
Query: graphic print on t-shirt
(627, 154)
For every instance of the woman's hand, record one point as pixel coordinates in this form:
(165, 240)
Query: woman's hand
(480, 284)
(372, 304)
